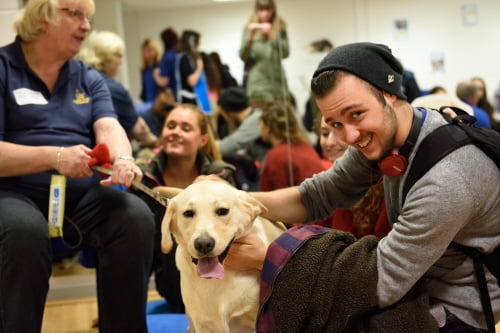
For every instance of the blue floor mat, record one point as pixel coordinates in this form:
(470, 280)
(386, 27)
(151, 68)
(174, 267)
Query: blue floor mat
(161, 320)
(159, 306)
(167, 322)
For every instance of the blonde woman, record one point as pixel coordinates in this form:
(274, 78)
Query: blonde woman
(104, 51)
(53, 110)
(292, 158)
(187, 151)
(150, 70)
(264, 44)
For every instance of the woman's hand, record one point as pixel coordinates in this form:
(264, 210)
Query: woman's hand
(262, 28)
(73, 161)
(124, 173)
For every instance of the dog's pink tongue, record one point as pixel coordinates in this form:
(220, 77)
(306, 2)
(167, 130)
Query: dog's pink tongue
(210, 268)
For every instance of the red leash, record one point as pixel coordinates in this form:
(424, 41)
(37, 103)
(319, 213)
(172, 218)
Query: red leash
(100, 161)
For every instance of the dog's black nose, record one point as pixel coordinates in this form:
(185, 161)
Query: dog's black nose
(204, 244)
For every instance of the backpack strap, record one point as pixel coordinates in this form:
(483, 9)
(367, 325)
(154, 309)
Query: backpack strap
(433, 148)
(484, 294)
(438, 144)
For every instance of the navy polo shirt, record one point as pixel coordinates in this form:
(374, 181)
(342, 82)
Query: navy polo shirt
(31, 115)
(122, 103)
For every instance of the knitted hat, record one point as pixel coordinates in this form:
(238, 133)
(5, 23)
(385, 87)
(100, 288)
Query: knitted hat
(233, 99)
(371, 62)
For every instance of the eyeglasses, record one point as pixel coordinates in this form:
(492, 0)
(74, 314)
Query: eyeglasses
(77, 15)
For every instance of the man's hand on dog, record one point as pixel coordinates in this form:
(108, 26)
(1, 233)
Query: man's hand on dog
(246, 253)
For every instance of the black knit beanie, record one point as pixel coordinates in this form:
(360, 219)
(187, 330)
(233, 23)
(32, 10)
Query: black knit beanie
(371, 62)
(233, 99)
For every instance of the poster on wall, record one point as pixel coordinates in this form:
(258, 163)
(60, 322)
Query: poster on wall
(400, 28)
(437, 62)
(469, 14)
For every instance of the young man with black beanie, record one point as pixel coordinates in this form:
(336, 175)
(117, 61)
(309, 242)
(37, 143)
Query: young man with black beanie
(358, 90)
(245, 119)
(242, 145)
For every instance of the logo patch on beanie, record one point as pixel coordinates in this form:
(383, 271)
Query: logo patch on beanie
(390, 78)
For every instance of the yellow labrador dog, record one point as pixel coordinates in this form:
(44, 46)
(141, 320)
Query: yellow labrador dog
(205, 218)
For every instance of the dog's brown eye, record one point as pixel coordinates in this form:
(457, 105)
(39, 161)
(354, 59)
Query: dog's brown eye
(188, 213)
(222, 211)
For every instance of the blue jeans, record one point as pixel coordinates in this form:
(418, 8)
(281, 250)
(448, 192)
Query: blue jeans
(118, 225)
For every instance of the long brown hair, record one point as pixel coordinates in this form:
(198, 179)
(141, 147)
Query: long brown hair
(282, 122)
(189, 43)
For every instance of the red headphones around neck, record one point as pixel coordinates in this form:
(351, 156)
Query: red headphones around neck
(396, 162)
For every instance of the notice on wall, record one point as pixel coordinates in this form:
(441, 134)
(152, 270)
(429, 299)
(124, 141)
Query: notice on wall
(437, 61)
(400, 28)
(469, 14)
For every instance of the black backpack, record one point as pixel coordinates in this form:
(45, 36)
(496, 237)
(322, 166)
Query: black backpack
(461, 131)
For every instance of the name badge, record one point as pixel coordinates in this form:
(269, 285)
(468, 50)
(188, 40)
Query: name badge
(26, 96)
(56, 205)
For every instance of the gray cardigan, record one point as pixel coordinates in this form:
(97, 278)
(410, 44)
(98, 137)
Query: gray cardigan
(457, 200)
(243, 136)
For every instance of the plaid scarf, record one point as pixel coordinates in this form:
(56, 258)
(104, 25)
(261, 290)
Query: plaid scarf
(278, 255)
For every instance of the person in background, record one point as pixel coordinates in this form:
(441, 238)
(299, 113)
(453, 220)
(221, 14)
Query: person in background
(214, 80)
(484, 102)
(411, 88)
(168, 61)
(320, 46)
(437, 97)
(190, 69)
(150, 70)
(227, 79)
(437, 90)
(368, 216)
(54, 110)
(329, 147)
(104, 50)
(242, 121)
(156, 113)
(264, 44)
(470, 94)
(187, 150)
(312, 115)
(237, 125)
(292, 158)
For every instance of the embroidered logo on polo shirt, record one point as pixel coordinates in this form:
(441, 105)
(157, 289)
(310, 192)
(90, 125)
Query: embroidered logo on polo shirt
(390, 78)
(80, 98)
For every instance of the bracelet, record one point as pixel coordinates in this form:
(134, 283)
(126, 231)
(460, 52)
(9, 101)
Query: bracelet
(58, 160)
(127, 157)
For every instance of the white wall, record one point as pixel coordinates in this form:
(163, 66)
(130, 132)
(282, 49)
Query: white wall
(433, 27)
(8, 10)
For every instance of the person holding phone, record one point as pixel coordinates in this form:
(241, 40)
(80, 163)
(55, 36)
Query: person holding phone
(264, 44)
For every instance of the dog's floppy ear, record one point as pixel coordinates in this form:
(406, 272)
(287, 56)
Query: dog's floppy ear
(166, 237)
(255, 207)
